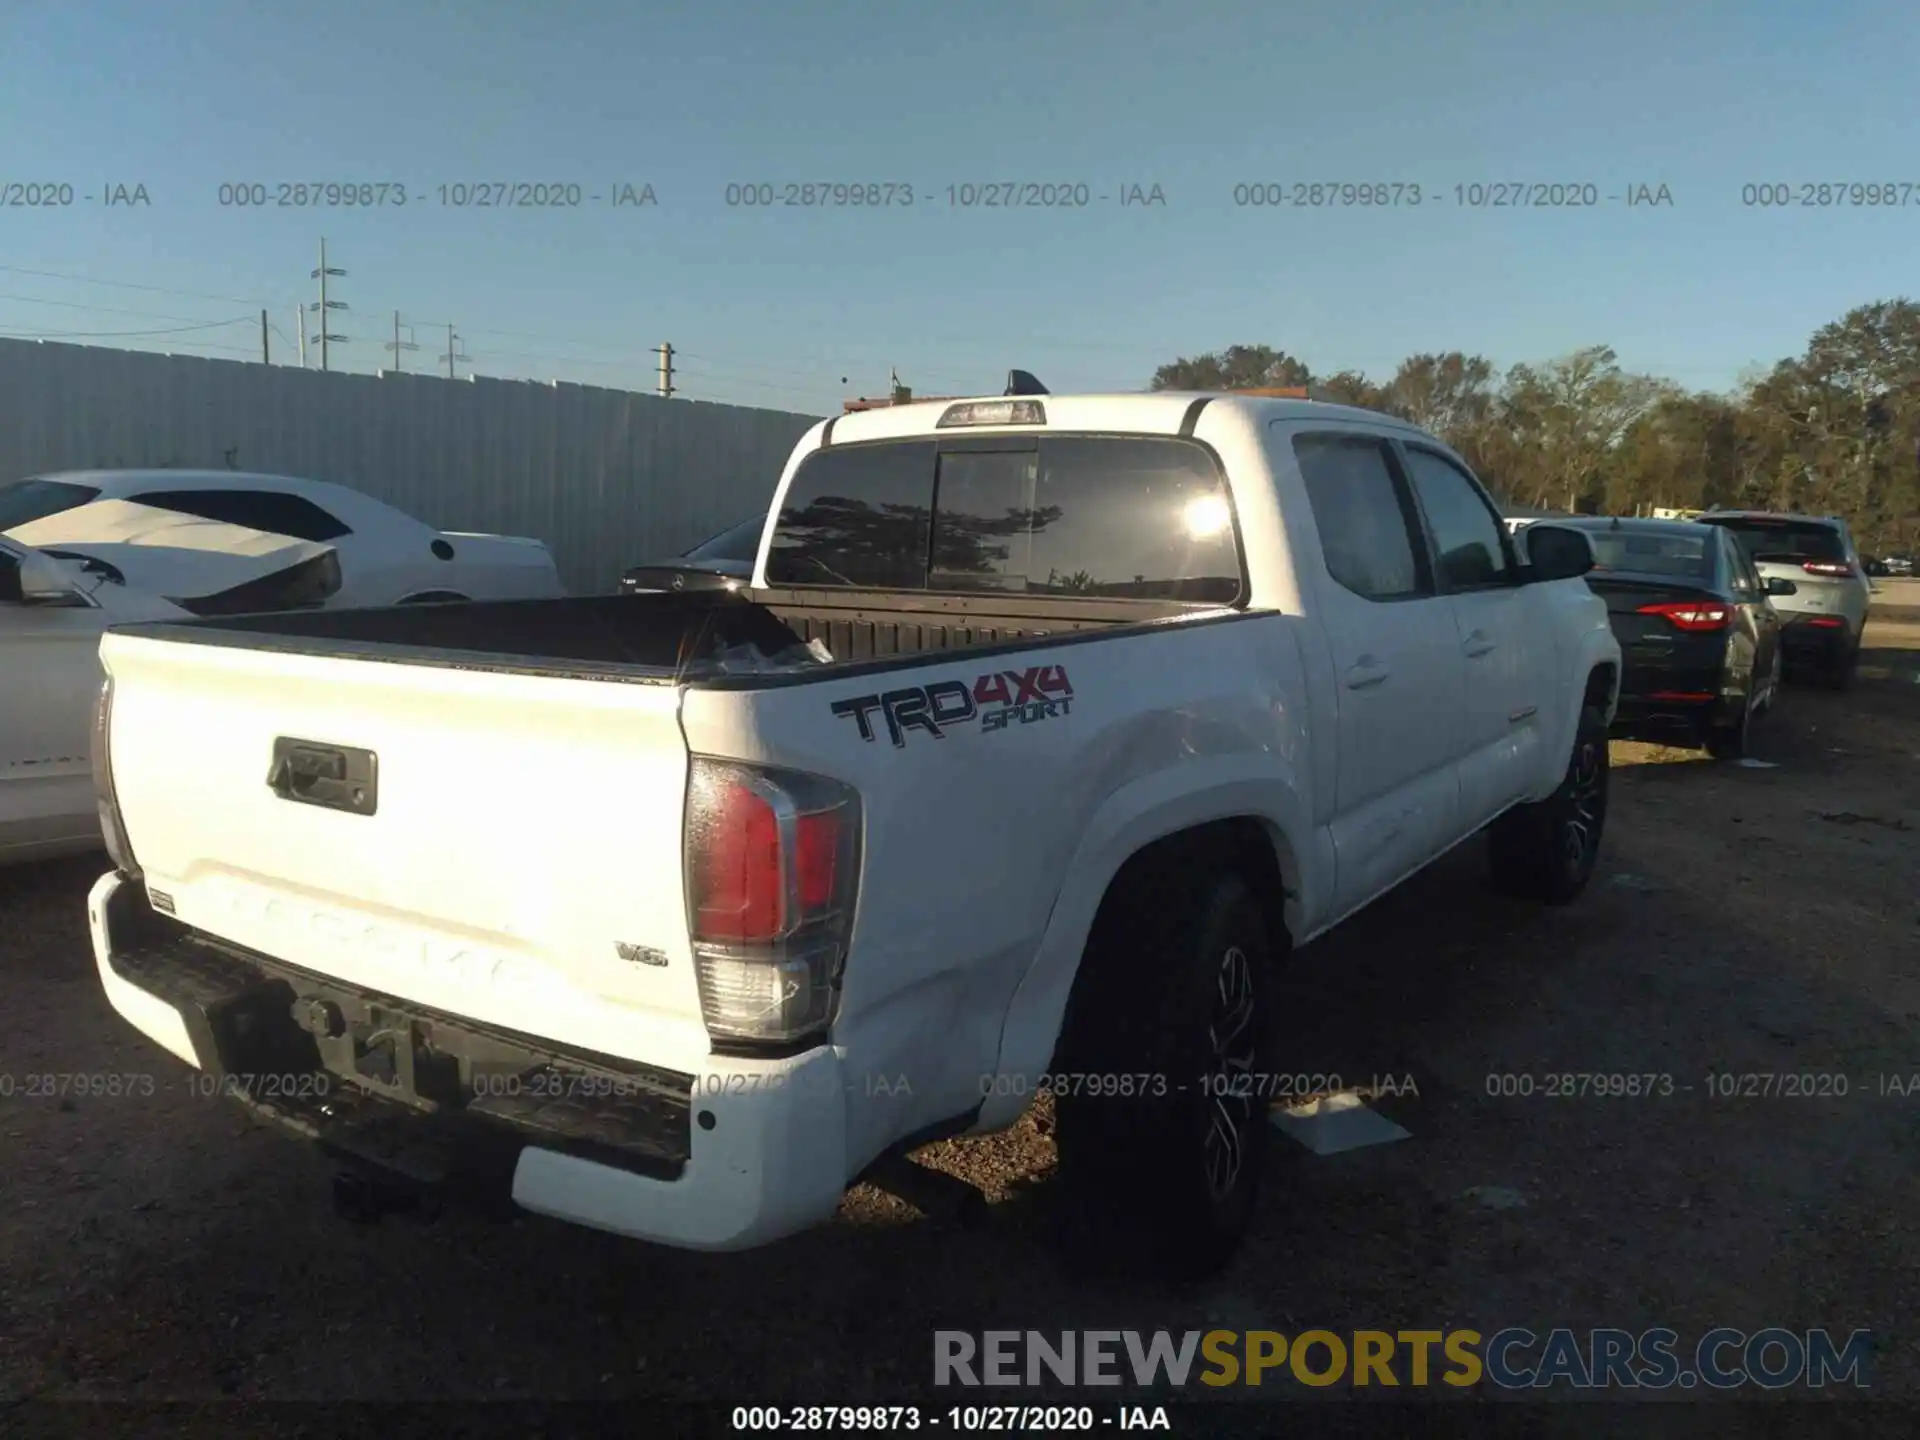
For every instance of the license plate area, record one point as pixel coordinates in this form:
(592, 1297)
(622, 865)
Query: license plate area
(338, 1063)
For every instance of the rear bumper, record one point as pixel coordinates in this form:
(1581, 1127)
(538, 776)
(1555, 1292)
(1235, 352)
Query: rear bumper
(1639, 713)
(1801, 639)
(1657, 697)
(720, 1160)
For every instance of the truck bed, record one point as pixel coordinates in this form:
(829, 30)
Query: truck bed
(663, 637)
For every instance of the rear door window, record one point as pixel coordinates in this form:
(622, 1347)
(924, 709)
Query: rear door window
(1105, 517)
(1369, 536)
(25, 501)
(273, 511)
(857, 515)
(1743, 581)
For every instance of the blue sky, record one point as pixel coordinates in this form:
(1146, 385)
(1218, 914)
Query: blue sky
(774, 308)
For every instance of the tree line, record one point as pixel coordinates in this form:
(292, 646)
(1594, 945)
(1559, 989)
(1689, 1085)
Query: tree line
(1833, 431)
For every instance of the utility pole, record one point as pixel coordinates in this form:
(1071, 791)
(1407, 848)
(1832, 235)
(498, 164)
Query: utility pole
(300, 313)
(396, 347)
(265, 357)
(325, 304)
(665, 352)
(453, 352)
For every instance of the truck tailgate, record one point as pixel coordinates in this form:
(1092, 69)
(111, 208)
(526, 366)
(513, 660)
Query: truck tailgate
(514, 855)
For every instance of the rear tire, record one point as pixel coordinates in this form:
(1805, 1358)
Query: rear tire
(1729, 742)
(1773, 683)
(1174, 990)
(1546, 851)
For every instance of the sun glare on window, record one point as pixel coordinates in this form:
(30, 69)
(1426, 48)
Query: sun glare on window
(1207, 515)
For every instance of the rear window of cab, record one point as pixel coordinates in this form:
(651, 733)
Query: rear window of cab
(1103, 517)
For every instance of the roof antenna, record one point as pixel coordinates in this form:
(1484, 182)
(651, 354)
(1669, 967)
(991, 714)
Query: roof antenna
(1020, 382)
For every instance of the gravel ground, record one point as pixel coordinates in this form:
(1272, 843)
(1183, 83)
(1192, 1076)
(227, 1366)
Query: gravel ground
(161, 1246)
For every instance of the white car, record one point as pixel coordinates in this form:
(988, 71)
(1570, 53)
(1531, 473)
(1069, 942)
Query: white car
(54, 609)
(386, 556)
(1826, 615)
(1077, 713)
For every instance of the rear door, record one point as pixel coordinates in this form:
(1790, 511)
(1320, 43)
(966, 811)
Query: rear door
(1499, 632)
(1396, 662)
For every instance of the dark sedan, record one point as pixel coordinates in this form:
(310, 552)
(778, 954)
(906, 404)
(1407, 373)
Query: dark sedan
(724, 562)
(1699, 637)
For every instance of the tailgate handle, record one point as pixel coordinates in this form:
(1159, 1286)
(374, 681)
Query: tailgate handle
(335, 777)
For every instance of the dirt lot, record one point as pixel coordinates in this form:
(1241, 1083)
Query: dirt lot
(1745, 920)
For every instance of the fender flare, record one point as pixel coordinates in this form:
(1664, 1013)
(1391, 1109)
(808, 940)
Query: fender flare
(1180, 797)
(1592, 649)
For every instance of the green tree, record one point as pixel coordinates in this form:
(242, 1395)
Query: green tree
(1835, 430)
(1238, 367)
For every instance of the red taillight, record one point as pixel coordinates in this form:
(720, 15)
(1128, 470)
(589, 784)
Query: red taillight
(1690, 614)
(737, 878)
(1824, 622)
(773, 864)
(817, 841)
(1828, 567)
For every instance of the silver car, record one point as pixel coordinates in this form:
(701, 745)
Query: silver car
(1823, 618)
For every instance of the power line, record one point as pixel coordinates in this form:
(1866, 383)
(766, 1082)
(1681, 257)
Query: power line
(101, 309)
(115, 334)
(127, 285)
(756, 384)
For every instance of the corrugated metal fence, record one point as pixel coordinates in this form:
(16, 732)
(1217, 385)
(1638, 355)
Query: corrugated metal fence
(607, 478)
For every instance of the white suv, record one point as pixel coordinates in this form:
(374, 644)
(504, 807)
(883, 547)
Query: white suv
(1825, 614)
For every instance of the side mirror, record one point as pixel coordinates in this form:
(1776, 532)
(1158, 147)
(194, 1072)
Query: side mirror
(1556, 552)
(1780, 585)
(44, 583)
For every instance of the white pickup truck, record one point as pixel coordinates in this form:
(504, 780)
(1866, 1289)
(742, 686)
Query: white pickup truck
(1065, 718)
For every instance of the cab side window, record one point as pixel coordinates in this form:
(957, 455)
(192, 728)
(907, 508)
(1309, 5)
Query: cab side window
(1369, 536)
(1468, 535)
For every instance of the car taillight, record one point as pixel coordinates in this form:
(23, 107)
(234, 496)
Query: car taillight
(1836, 568)
(772, 866)
(113, 829)
(1691, 614)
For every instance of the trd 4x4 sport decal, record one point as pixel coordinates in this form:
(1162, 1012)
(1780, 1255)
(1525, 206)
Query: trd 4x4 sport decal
(999, 699)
